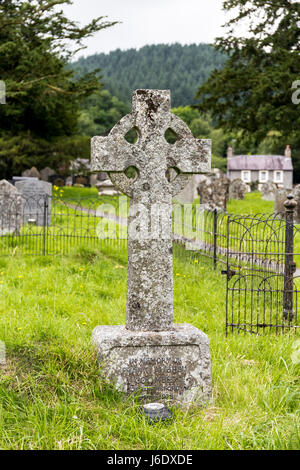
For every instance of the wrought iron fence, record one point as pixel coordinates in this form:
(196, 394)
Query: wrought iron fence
(260, 252)
(263, 268)
(44, 225)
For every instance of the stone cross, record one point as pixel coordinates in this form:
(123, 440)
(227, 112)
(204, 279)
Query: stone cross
(150, 270)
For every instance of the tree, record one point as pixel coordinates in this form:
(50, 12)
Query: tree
(43, 98)
(100, 112)
(252, 94)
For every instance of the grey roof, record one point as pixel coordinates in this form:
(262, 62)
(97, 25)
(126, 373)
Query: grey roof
(259, 162)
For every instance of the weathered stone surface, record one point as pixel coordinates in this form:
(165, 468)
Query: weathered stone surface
(46, 173)
(150, 276)
(268, 191)
(149, 162)
(11, 209)
(280, 198)
(296, 194)
(168, 364)
(34, 194)
(32, 173)
(237, 189)
(213, 190)
(190, 192)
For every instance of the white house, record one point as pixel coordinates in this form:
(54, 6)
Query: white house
(261, 168)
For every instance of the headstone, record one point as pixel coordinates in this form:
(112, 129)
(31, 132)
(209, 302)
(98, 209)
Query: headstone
(213, 190)
(57, 180)
(81, 179)
(32, 173)
(190, 192)
(36, 197)
(151, 354)
(280, 198)
(237, 189)
(46, 173)
(268, 191)
(296, 194)
(106, 188)
(11, 209)
(69, 181)
(23, 178)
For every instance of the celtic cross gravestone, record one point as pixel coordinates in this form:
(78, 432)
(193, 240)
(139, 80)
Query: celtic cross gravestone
(151, 353)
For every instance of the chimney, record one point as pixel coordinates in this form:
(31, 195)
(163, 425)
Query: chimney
(287, 152)
(229, 152)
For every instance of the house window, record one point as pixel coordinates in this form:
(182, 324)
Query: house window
(263, 176)
(278, 176)
(246, 176)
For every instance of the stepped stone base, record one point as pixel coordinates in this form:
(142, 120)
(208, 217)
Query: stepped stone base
(172, 365)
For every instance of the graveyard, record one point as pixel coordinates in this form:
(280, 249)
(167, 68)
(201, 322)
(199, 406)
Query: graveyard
(149, 227)
(51, 391)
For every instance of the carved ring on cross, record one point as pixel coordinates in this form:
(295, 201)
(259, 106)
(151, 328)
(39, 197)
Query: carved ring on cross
(152, 157)
(176, 180)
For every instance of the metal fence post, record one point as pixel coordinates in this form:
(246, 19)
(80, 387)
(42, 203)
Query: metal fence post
(215, 237)
(45, 224)
(289, 264)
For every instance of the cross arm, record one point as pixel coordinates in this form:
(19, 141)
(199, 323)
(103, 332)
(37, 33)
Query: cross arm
(188, 154)
(113, 153)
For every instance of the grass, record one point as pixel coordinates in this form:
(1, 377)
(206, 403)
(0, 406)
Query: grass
(252, 204)
(51, 395)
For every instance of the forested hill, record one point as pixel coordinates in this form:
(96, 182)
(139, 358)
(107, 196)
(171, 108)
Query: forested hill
(182, 69)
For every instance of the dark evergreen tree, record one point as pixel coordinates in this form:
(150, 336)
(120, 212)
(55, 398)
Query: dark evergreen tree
(42, 97)
(252, 94)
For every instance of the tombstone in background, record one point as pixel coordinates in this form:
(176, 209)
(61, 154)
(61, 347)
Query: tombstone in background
(32, 173)
(296, 194)
(36, 197)
(106, 188)
(69, 181)
(151, 354)
(280, 198)
(190, 192)
(237, 189)
(46, 173)
(213, 190)
(57, 180)
(23, 178)
(268, 191)
(83, 180)
(11, 209)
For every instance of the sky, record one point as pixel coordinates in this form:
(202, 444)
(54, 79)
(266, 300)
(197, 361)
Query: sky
(149, 22)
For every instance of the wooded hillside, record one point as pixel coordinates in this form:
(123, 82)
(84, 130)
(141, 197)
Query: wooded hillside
(182, 69)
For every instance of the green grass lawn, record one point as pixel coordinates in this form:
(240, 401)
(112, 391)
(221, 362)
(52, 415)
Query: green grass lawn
(51, 395)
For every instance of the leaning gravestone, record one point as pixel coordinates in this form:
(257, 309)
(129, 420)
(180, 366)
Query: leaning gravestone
(268, 191)
(237, 189)
(151, 354)
(36, 197)
(213, 191)
(11, 209)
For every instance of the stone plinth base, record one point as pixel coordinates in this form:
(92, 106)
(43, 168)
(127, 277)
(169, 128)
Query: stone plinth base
(171, 365)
